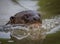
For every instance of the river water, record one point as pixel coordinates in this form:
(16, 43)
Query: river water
(9, 8)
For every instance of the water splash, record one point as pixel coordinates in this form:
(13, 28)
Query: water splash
(23, 31)
(51, 24)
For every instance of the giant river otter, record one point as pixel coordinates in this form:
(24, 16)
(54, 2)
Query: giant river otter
(30, 18)
(26, 17)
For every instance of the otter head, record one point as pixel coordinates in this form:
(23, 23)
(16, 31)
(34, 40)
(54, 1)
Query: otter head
(31, 18)
(26, 17)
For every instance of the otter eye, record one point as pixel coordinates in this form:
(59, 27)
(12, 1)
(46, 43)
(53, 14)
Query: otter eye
(12, 17)
(34, 18)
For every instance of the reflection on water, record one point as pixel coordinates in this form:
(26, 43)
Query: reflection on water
(26, 33)
(23, 31)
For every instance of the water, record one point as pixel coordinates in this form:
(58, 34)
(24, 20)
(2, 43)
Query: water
(9, 9)
(5, 35)
(23, 31)
(52, 25)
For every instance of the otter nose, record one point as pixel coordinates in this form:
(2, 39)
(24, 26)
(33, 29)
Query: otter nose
(36, 25)
(36, 18)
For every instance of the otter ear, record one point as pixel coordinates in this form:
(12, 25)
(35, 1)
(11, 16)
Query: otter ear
(12, 17)
(11, 20)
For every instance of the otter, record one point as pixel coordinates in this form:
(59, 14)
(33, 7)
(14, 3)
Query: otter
(25, 17)
(30, 18)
